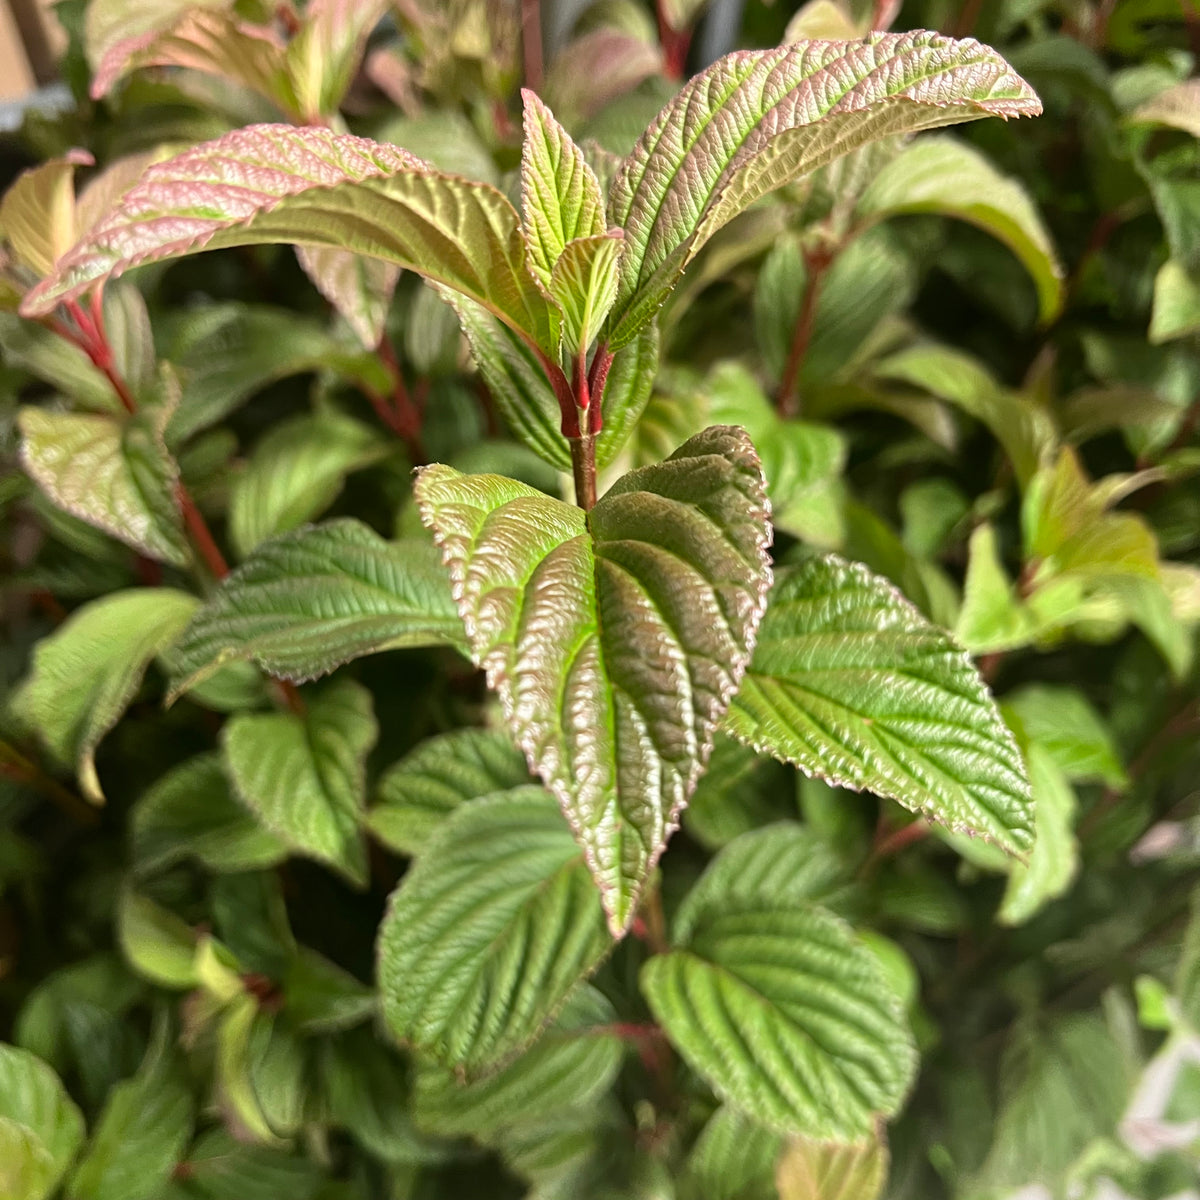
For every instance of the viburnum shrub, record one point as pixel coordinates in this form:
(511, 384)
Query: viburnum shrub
(371, 880)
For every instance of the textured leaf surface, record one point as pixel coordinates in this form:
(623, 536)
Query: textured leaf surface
(429, 783)
(190, 812)
(296, 472)
(757, 119)
(359, 288)
(489, 932)
(560, 194)
(783, 862)
(110, 471)
(304, 777)
(733, 1159)
(568, 1066)
(615, 641)
(310, 186)
(304, 603)
(851, 683)
(40, 1126)
(815, 1170)
(584, 286)
(87, 671)
(787, 1016)
(944, 176)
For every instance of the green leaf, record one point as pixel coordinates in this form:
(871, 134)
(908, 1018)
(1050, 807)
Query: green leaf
(37, 214)
(584, 286)
(296, 472)
(113, 472)
(313, 187)
(1176, 310)
(423, 788)
(992, 616)
(304, 777)
(572, 1064)
(787, 1016)
(615, 639)
(322, 998)
(944, 176)
(489, 932)
(1062, 721)
(64, 366)
(560, 194)
(324, 57)
(816, 1170)
(87, 671)
(359, 288)
(160, 946)
(758, 119)
(1054, 860)
(1187, 972)
(852, 684)
(260, 1071)
(141, 1135)
(733, 1159)
(219, 1167)
(40, 1127)
(1177, 107)
(190, 812)
(783, 862)
(306, 602)
(739, 791)
(627, 392)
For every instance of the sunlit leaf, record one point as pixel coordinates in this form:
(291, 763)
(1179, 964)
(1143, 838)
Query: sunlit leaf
(40, 1127)
(37, 214)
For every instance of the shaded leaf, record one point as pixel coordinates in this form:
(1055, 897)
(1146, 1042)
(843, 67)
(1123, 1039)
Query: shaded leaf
(416, 794)
(787, 1016)
(615, 639)
(489, 932)
(190, 812)
(947, 177)
(306, 602)
(1177, 107)
(733, 1159)
(757, 119)
(359, 288)
(87, 671)
(852, 684)
(1065, 725)
(303, 777)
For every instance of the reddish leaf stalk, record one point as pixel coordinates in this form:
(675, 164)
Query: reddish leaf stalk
(402, 415)
(675, 44)
(817, 264)
(22, 770)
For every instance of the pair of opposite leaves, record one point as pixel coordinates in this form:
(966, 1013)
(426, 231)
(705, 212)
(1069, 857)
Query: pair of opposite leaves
(618, 638)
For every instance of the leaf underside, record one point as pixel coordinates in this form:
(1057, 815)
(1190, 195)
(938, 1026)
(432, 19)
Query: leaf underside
(615, 639)
(852, 684)
(760, 118)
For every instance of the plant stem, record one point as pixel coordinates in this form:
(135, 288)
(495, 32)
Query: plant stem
(401, 416)
(583, 467)
(816, 263)
(15, 766)
(531, 43)
(675, 44)
(202, 537)
(967, 18)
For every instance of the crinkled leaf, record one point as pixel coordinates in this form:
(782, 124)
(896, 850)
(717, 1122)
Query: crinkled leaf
(852, 684)
(757, 119)
(489, 932)
(427, 784)
(615, 639)
(304, 777)
(295, 472)
(816, 1170)
(584, 284)
(142, 1133)
(310, 186)
(560, 194)
(190, 812)
(359, 288)
(40, 1127)
(113, 472)
(37, 214)
(572, 1064)
(733, 1159)
(87, 671)
(306, 602)
(783, 862)
(787, 1016)
(944, 176)
(627, 392)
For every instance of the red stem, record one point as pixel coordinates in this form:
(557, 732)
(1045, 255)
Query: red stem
(675, 44)
(531, 43)
(817, 263)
